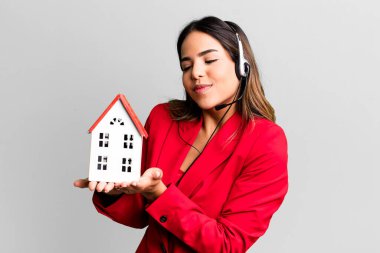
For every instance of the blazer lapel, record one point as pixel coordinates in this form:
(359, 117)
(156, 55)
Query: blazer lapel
(175, 148)
(216, 152)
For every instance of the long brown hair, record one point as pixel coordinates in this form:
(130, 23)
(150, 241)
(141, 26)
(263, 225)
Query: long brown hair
(253, 102)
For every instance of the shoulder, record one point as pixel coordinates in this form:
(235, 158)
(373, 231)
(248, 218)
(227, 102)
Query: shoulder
(159, 111)
(261, 128)
(266, 137)
(264, 150)
(264, 128)
(159, 115)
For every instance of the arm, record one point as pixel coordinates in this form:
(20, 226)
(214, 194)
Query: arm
(256, 195)
(125, 209)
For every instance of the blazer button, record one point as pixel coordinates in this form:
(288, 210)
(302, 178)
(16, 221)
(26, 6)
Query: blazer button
(163, 218)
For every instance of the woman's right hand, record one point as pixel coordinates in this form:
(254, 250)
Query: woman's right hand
(105, 187)
(150, 185)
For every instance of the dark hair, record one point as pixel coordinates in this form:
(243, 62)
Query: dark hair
(254, 102)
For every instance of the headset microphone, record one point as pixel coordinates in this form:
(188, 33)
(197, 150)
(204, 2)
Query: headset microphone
(243, 68)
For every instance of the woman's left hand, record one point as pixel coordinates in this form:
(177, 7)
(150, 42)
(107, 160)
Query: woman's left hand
(149, 185)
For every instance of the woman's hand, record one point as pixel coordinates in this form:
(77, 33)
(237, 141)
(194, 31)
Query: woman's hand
(149, 185)
(108, 188)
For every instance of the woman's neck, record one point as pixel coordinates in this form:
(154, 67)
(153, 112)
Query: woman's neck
(212, 117)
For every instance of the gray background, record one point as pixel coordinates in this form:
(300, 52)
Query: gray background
(62, 62)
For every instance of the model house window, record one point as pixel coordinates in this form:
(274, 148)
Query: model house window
(124, 166)
(128, 143)
(117, 121)
(103, 139)
(102, 162)
(125, 140)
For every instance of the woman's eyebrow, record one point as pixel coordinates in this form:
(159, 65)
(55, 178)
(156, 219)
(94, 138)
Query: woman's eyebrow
(199, 54)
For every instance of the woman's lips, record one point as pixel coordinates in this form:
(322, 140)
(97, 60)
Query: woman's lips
(201, 88)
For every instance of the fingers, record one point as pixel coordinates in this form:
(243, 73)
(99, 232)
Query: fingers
(103, 186)
(121, 185)
(157, 174)
(81, 183)
(109, 187)
(146, 183)
(100, 186)
(92, 185)
(153, 173)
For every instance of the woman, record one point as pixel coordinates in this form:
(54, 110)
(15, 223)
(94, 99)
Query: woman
(215, 164)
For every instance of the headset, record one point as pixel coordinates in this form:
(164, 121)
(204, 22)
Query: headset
(243, 64)
(242, 68)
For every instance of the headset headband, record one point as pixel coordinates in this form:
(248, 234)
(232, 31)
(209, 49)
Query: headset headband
(242, 64)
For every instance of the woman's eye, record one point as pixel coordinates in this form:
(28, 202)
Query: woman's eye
(185, 68)
(211, 61)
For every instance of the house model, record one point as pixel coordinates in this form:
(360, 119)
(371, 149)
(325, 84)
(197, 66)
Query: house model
(116, 144)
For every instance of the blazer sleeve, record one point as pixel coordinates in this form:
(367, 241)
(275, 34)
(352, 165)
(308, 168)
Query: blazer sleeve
(256, 194)
(126, 209)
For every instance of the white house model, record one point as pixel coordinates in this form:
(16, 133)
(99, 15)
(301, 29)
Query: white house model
(116, 144)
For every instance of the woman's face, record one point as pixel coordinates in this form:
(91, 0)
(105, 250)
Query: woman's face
(208, 71)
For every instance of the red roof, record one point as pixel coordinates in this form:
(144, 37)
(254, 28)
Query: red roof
(130, 112)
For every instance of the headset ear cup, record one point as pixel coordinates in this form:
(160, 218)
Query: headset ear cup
(242, 72)
(247, 68)
(243, 65)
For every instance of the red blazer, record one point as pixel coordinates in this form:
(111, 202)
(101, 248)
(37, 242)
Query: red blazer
(226, 199)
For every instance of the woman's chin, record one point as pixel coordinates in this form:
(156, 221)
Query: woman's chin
(206, 106)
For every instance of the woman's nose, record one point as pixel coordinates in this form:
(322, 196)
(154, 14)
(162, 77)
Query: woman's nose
(198, 71)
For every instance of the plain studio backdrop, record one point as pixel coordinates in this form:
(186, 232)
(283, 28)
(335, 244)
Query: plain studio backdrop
(62, 63)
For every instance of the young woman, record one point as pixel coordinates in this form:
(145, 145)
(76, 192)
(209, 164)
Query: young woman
(215, 164)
